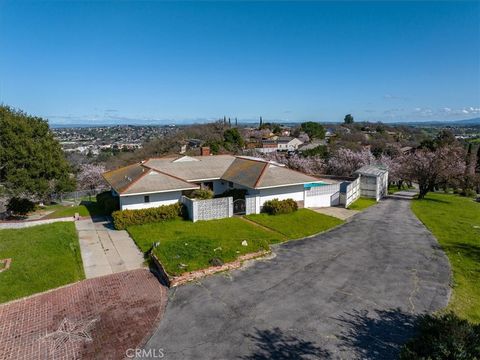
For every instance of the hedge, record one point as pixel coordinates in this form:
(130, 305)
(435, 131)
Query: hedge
(275, 206)
(125, 218)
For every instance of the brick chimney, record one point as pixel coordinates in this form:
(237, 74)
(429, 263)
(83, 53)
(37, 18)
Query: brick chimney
(205, 151)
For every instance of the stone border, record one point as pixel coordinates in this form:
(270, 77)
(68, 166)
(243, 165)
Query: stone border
(172, 281)
(6, 263)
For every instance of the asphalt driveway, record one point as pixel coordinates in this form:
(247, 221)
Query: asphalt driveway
(349, 293)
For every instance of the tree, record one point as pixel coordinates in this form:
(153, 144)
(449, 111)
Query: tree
(431, 168)
(313, 129)
(348, 119)
(344, 162)
(32, 161)
(232, 137)
(90, 177)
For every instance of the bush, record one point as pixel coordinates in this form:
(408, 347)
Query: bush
(107, 203)
(20, 206)
(125, 218)
(469, 193)
(275, 206)
(202, 194)
(443, 337)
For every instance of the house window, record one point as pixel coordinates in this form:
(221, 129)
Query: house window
(146, 199)
(230, 184)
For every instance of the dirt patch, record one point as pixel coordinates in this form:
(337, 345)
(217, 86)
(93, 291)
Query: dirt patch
(5, 264)
(172, 281)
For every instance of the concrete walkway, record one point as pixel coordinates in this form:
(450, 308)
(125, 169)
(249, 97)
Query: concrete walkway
(106, 251)
(338, 212)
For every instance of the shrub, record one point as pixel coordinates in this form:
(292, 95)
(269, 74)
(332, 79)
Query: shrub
(443, 337)
(20, 206)
(125, 218)
(202, 194)
(275, 206)
(469, 193)
(107, 202)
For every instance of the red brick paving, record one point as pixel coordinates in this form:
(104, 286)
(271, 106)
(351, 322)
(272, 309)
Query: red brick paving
(117, 311)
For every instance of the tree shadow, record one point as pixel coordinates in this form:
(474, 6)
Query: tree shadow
(275, 344)
(377, 336)
(465, 250)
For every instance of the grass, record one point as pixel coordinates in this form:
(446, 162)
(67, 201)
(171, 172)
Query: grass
(362, 203)
(86, 208)
(392, 189)
(298, 224)
(455, 222)
(195, 244)
(43, 257)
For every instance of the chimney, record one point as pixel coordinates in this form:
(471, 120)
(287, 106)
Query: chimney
(205, 151)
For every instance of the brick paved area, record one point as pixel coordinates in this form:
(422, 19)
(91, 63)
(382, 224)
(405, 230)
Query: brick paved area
(94, 319)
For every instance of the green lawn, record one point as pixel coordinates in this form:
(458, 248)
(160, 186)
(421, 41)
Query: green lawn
(43, 257)
(298, 224)
(455, 222)
(195, 244)
(392, 189)
(362, 203)
(86, 208)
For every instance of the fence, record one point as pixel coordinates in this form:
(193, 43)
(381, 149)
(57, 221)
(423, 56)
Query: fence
(352, 191)
(323, 190)
(209, 209)
(76, 196)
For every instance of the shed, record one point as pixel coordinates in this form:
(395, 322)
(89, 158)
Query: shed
(373, 181)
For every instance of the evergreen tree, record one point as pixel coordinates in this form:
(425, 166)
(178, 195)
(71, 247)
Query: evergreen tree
(348, 119)
(32, 161)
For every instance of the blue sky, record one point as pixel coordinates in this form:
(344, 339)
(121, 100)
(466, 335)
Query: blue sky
(133, 62)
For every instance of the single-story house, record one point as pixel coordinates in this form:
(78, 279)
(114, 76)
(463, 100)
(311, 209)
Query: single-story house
(286, 143)
(163, 181)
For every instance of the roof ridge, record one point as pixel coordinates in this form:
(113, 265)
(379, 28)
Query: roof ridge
(167, 174)
(262, 173)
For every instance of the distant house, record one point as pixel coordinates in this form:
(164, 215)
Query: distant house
(268, 146)
(286, 143)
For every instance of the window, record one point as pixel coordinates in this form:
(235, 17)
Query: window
(230, 184)
(146, 199)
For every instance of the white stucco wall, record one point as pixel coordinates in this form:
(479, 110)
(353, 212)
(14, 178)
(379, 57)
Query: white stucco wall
(133, 202)
(295, 192)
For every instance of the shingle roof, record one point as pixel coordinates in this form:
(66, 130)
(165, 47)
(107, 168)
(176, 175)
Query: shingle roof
(257, 173)
(190, 168)
(281, 176)
(137, 178)
(179, 173)
(245, 172)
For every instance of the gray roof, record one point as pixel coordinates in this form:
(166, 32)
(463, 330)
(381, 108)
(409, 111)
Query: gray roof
(180, 173)
(371, 170)
(281, 176)
(154, 181)
(136, 178)
(190, 168)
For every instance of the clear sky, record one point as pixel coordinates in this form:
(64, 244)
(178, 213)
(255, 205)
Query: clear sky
(293, 61)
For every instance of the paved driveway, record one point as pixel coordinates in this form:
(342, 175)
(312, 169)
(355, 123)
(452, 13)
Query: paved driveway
(349, 293)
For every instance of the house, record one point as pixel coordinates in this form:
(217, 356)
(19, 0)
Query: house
(163, 181)
(286, 143)
(268, 146)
